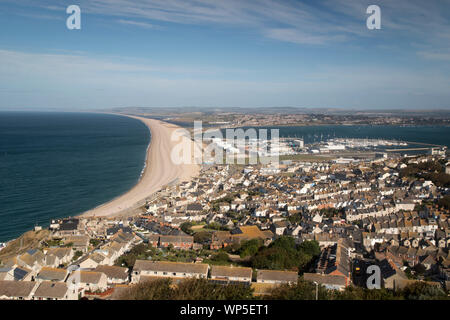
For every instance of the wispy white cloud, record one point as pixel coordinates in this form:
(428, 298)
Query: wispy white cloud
(138, 24)
(441, 56)
(427, 22)
(75, 80)
(335, 20)
(321, 22)
(291, 21)
(41, 16)
(299, 37)
(79, 77)
(56, 8)
(64, 62)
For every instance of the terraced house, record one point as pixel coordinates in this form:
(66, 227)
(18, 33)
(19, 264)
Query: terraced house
(178, 242)
(276, 277)
(15, 290)
(88, 281)
(146, 270)
(223, 274)
(49, 290)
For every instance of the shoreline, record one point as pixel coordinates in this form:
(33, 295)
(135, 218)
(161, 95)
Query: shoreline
(146, 185)
(158, 171)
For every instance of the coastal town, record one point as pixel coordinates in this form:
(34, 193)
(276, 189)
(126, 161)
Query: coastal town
(290, 116)
(225, 159)
(337, 217)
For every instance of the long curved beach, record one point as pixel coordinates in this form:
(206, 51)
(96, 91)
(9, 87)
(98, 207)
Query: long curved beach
(159, 171)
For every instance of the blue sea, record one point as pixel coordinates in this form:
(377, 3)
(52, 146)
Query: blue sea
(56, 165)
(438, 135)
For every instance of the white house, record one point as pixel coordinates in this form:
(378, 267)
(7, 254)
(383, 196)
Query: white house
(88, 281)
(49, 290)
(145, 268)
(16, 290)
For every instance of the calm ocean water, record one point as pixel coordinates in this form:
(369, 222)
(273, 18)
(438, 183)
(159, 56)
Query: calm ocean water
(61, 164)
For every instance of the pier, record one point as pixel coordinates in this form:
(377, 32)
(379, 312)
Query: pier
(408, 149)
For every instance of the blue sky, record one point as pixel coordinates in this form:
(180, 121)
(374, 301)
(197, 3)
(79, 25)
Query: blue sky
(237, 53)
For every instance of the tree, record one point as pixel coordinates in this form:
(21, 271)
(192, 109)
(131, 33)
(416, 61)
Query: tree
(217, 226)
(202, 237)
(220, 257)
(203, 289)
(141, 251)
(250, 247)
(272, 258)
(149, 290)
(194, 289)
(188, 289)
(423, 291)
(311, 248)
(94, 242)
(284, 253)
(358, 293)
(186, 227)
(303, 290)
(430, 170)
(77, 255)
(445, 202)
(295, 218)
